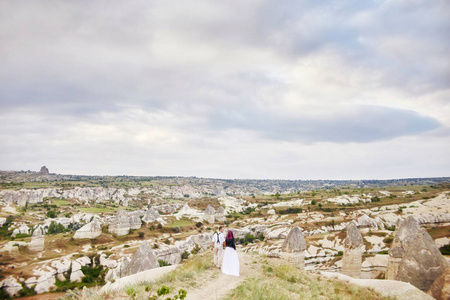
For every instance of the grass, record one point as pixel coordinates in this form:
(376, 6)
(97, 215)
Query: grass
(185, 275)
(182, 222)
(60, 202)
(285, 282)
(439, 232)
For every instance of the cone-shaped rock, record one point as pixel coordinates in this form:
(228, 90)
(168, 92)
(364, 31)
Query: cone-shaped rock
(209, 210)
(89, 231)
(209, 214)
(295, 241)
(414, 257)
(352, 259)
(294, 248)
(37, 240)
(220, 214)
(144, 259)
(220, 210)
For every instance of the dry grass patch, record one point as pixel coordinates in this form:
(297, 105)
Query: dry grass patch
(285, 282)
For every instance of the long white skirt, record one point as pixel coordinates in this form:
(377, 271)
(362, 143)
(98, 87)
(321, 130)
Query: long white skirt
(230, 263)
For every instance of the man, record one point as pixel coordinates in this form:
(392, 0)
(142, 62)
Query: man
(218, 242)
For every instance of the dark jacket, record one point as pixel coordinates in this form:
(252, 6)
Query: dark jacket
(230, 243)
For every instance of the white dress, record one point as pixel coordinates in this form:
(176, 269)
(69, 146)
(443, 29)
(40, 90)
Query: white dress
(230, 263)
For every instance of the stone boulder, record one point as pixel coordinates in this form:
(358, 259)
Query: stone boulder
(91, 230)
(144, 259)
(37, 240)
(414, 257)
(295, 245)
(440, 289)
(271, 212)
(352, 259)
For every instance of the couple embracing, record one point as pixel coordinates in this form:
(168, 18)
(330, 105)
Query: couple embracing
(230, 263)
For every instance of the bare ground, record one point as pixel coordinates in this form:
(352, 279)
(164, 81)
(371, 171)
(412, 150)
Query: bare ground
(215, 285)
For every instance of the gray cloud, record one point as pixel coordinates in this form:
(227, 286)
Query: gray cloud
(153, 79)
(358, 124)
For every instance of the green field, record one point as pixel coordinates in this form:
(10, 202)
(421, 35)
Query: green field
(181, 223)
(60, 202)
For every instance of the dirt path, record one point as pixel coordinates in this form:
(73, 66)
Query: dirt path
(216, 284)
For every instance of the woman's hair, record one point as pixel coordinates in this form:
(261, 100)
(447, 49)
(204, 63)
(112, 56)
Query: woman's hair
(230, 235)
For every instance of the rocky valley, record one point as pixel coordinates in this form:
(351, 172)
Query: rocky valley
(61, 232)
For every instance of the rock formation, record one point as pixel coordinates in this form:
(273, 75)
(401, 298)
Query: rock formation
(144, 259)
(11, 286)
(150, 216)
(414, 257)
(76, 275)
(352, 259)
(440, 289)
(271, 212)
(37, 240)
(89, 231)
(220, 214)
(295, 245)
(44, 171)
(366, 221)
(123, 222)
(209, 214)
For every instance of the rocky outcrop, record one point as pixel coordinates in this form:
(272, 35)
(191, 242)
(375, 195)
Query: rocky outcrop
(43, 284)
(295, 245)
(352, 259)
(366, 221)
(91, 230)
(271, 212)
(414, 257)
(123, 222)
(209, 214)
(37, 240)
(440, 289)
(150, 216)
(44, 171)
(11, 286)
(144, 259)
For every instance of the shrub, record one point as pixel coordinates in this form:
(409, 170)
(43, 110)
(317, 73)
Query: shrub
(163, 263)
(141, 234)
(54, 228)
(388, 239)
(185, 255)
(375, 199)
(196, 249)
(313, 202)
(198, 224)
(52, 214)
(167, 241)
(445, 250)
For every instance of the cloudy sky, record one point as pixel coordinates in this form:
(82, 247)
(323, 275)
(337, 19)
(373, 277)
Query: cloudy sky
(226, 89)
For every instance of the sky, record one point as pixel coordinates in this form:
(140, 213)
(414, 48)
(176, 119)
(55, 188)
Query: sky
(226, 89)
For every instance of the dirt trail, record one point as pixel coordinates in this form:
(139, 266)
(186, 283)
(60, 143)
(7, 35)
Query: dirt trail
(217, 284)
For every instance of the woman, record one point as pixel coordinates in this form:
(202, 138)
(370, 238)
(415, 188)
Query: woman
(230, 263)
